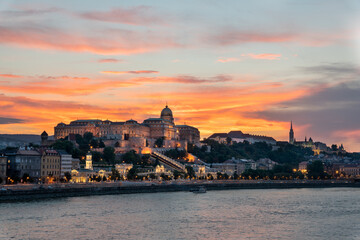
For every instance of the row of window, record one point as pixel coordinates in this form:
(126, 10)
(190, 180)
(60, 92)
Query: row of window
(50, 166)
(47, 173)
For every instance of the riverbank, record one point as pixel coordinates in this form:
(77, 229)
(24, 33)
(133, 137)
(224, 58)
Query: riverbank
(28, 192)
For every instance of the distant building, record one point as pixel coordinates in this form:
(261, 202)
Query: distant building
(123, 169)
(24, 161)
(303, 166)
(239, 136)
(219, 137)
(50, 164)
(265, 164)
(191, 134)
(82, 175)
(3, 167)
(351, 170)
(45, 142)
(66, 162)
(316, 147)
(75, 164)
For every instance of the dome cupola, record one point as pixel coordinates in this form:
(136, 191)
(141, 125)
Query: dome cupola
(166, 114)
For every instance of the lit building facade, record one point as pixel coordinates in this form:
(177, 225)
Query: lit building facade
(50, 164)
(132, 134)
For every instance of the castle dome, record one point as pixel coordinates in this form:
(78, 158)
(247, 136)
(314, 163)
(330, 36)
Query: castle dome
(166, 114)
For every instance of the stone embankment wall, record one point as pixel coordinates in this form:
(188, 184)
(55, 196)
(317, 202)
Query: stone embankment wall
(118, 188)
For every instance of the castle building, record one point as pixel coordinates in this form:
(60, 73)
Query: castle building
(131, 134)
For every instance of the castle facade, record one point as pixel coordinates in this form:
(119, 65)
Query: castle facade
(131, 134)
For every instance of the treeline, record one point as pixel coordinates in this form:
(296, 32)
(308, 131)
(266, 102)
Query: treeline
(286, 154)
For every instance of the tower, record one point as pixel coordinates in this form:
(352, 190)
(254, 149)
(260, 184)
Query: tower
(44, 138)
(88, 163)
(291, 134)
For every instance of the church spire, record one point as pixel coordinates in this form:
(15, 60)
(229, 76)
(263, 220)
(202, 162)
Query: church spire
(291, 134)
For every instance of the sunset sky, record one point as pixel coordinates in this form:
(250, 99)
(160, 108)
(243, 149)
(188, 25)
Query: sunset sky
(220, 65)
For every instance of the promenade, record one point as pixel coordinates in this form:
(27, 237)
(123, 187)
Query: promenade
(27, 192)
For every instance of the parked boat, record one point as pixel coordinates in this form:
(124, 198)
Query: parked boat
(200, 189)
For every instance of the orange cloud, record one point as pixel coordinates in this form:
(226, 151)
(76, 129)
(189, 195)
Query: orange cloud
(129, 72)
(72, 86)
(265, 56)
(111, 42)
(10, 76)
(224, 60)
(182, 79)
(109, 60)
(63, 85)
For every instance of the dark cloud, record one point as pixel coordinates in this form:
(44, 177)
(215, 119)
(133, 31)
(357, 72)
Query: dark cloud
(5, 120)
(330, 110)
(332, 68)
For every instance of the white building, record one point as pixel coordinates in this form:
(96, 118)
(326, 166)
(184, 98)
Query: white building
(66, 162)
(88, 163)
(123, 169)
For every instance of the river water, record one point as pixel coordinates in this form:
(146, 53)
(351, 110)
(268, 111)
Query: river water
(329, 213)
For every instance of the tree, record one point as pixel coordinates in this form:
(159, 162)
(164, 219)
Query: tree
(190, 172)
(177, 174)
(101, 144)
(165, 177)
(316, 170)
(132, 174)
(109, 155)
(88, 136)
(94, 143)
(26, 178)
(68, 176)
(96, 156)
(131, 157)
(62, 144)
(334, 147)
(115, 175)
(228, 140)
(159, 143)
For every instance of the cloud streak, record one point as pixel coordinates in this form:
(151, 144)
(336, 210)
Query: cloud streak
(130, 72)
(263, 56)
(109, 60)
(113, 41)
(139, 15)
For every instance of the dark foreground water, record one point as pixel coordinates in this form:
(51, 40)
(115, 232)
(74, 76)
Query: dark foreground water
(237, 214)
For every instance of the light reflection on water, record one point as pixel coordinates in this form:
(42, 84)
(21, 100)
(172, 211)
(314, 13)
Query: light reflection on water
(234, 214)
